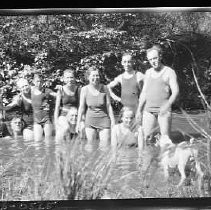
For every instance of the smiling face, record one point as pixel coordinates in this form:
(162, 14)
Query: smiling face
(16, 125)
(24, 87)
(154, 59)
(127, 118)
(94, 77)
(69, 78)
(127, 63)
(38, 82)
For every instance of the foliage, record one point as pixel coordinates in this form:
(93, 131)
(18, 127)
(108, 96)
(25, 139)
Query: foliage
(50, 43)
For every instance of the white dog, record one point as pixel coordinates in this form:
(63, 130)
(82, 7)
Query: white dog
(172, 155)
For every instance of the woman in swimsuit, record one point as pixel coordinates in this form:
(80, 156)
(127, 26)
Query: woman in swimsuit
(42, 101)
(99, 115)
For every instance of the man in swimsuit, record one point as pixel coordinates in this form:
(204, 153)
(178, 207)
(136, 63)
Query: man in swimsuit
(131, 83)
(159, 92)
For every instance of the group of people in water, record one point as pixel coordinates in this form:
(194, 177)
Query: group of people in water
(86, 111)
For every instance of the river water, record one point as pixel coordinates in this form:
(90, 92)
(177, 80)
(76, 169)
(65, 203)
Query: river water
(124, 180)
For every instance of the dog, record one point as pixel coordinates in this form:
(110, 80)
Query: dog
(177, 155)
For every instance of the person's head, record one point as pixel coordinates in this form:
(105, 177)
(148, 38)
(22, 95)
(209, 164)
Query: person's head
(69, 76)
(127, 116)
(93, 75)
(23, 85)
(127, 62)
(38, 81)
(72, 115)
(154, 56)
(17, 125)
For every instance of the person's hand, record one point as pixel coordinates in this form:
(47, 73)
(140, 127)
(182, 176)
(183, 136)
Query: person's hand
(165, 108)
(138, 117)
(77, 128)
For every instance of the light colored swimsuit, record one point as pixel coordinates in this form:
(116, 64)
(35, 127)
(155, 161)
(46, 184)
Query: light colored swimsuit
(157, 93)
(128, 138)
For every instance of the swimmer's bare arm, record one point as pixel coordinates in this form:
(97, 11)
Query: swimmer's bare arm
(81, 108)
(14, 103)
(111, 85)
(142, 97)
(109, 108)
(172, 78)
(114, 138)
(57, 106)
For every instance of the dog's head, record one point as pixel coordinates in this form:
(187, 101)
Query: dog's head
(164, 141)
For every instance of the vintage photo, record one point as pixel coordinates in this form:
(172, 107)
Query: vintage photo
(104, 104)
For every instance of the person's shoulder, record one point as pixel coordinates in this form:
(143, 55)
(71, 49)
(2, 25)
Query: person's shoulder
(140, 75)
(169, 71)
(148, 71)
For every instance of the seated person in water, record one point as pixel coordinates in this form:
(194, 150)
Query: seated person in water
(4, 132)
(17, 125)
(124, 133)
(23, 102)
(66, 130)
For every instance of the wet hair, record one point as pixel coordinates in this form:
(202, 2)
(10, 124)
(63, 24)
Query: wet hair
(69, 71)
(91, 69)
(155, 47)
(125, 109)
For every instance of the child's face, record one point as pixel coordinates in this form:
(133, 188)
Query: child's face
(69, 78)
(127, 63)
(127, 118)
(72, 116)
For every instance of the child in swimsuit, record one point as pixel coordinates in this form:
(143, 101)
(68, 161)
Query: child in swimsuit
(67, 128)
(125, 134)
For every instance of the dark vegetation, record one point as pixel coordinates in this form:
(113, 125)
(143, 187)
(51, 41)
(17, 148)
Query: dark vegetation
(48, 44)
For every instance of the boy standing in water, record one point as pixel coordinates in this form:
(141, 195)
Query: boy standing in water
(159, 92)
(130, 82)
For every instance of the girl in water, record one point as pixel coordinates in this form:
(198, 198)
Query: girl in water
(99, 115)
(66, 130)
(124, 133)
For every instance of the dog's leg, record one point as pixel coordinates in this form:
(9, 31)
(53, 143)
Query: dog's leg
(200, 176)
(181, 168)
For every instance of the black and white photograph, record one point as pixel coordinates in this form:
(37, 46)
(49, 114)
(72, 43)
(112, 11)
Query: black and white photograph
(105, 105)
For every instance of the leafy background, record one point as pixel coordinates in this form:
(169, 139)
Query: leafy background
(48, 44)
